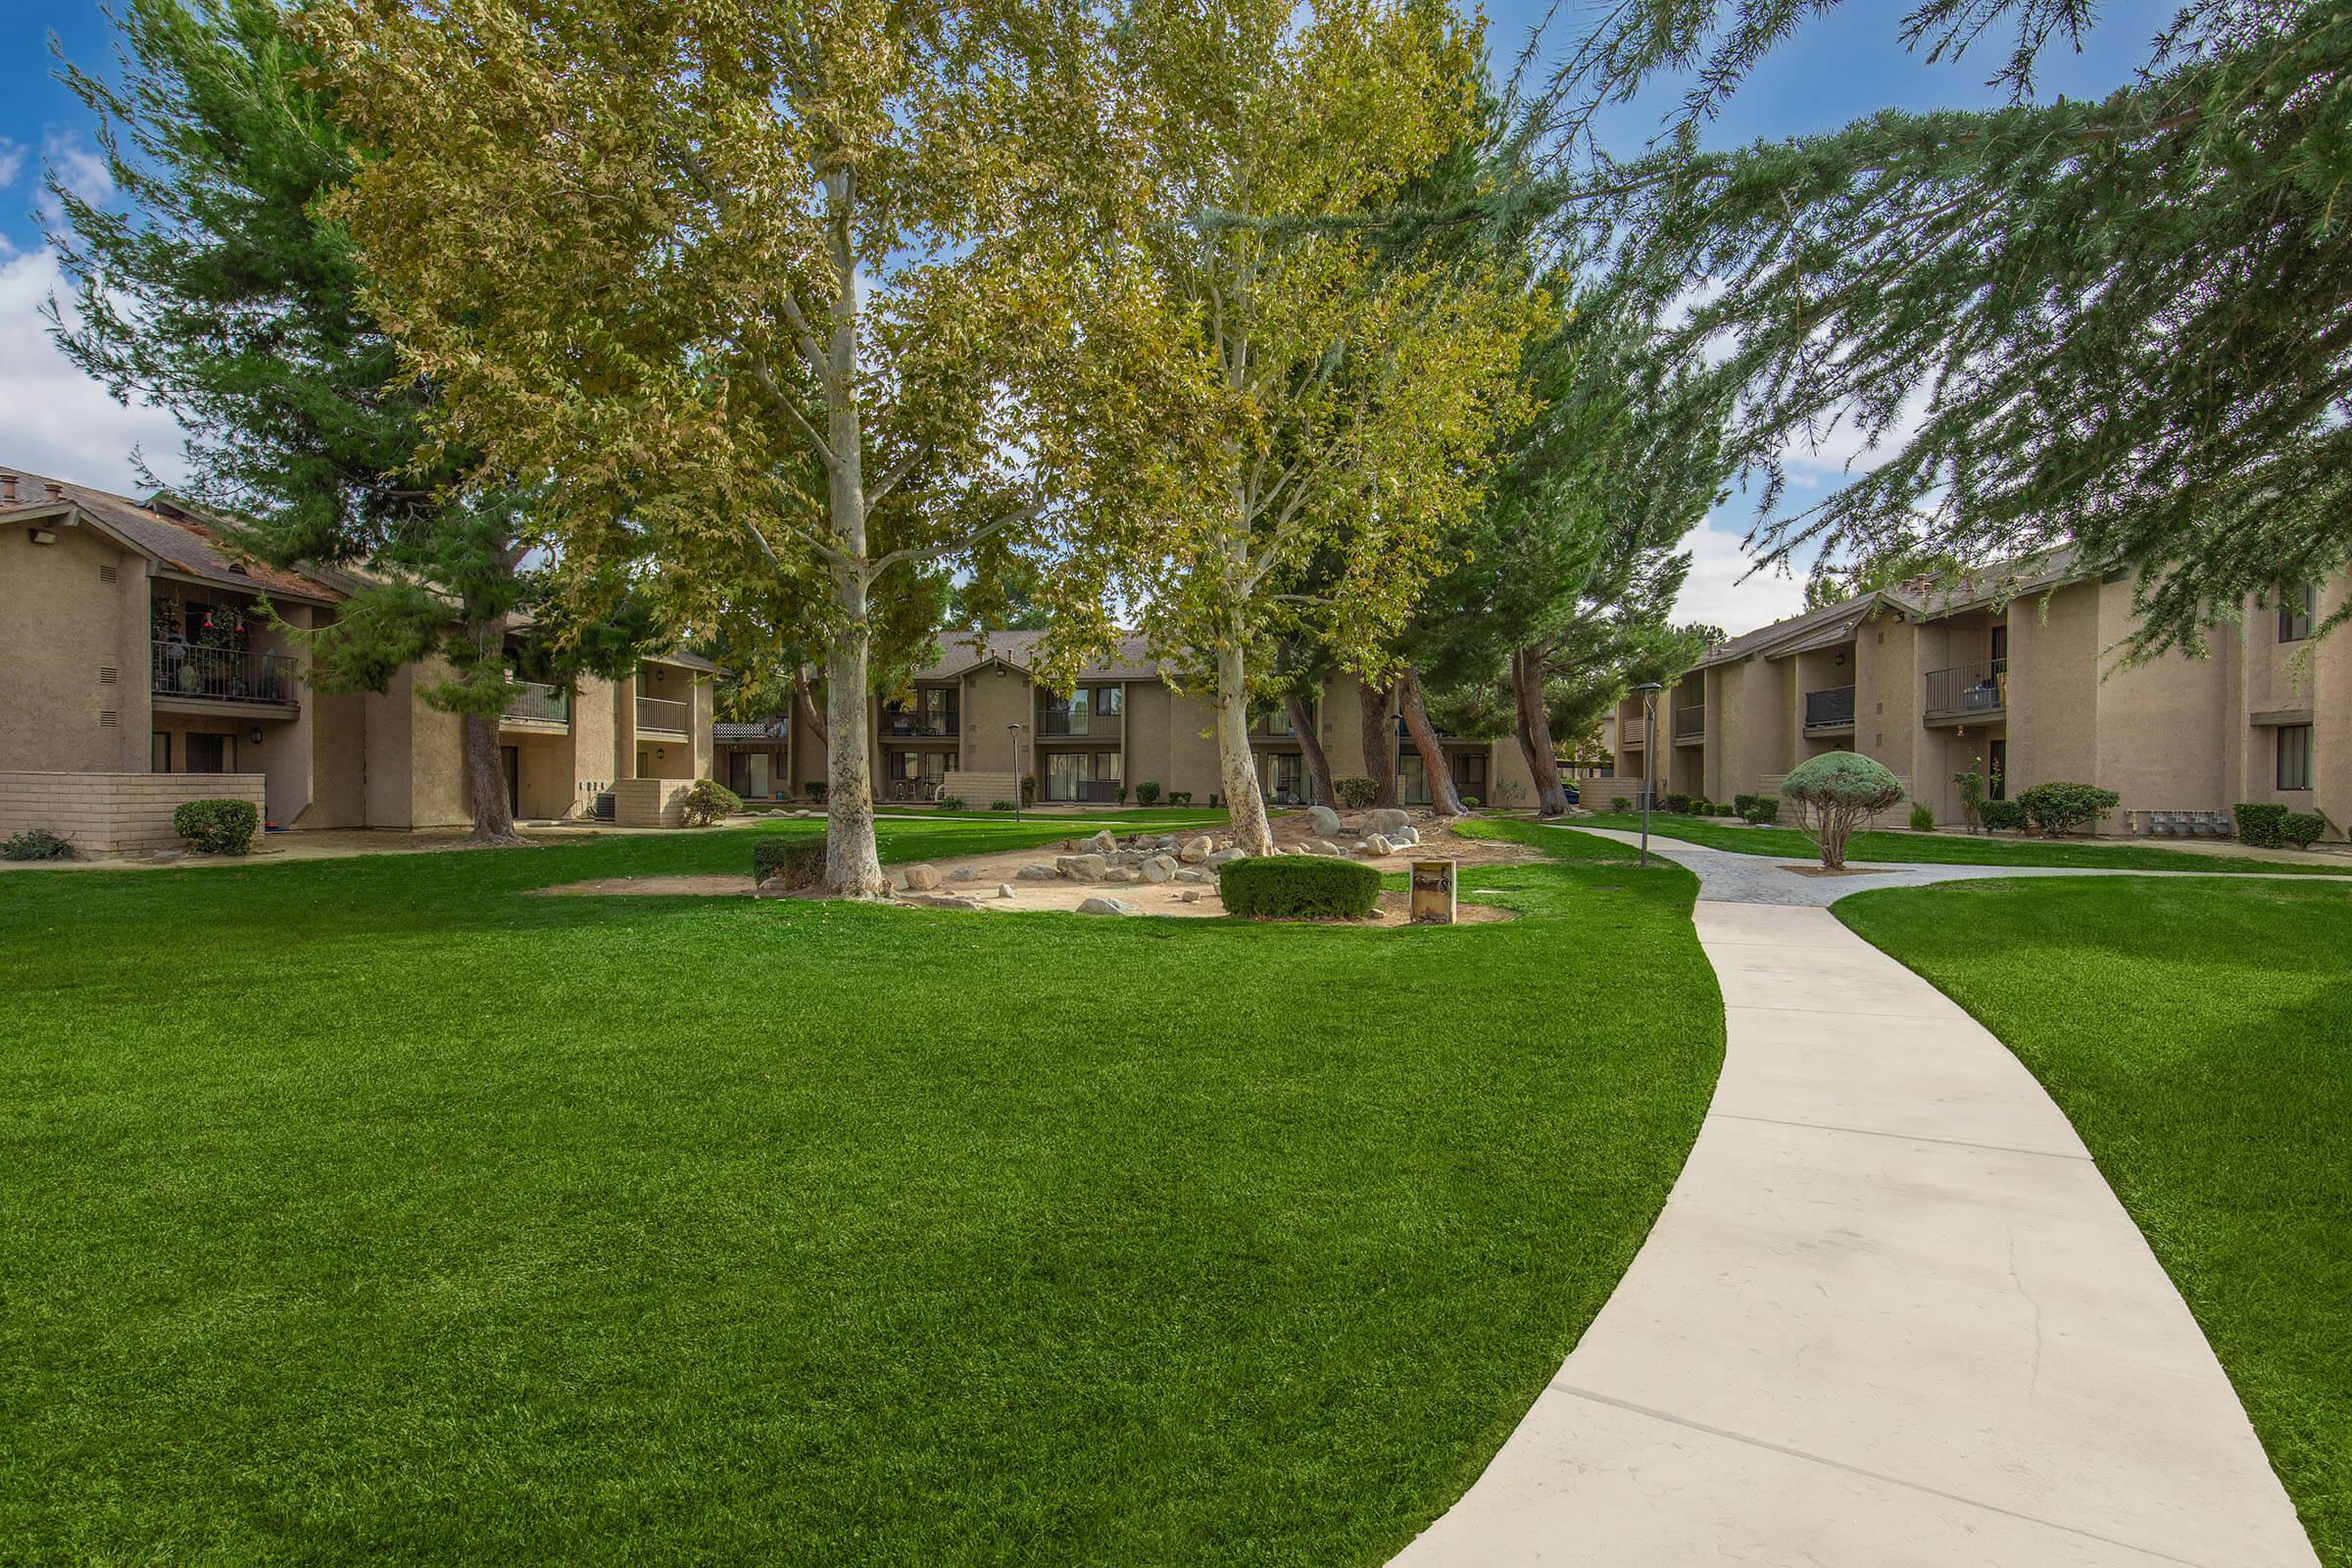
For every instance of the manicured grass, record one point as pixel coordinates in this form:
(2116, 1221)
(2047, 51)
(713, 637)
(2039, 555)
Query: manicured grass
(372, 1209)
(2199, 1036)
(1950, 849)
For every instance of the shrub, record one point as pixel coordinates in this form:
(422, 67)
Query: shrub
(1469, 802)
(2260, 823)
(1971, 798)
(1147, 792)
(36, 843)
(1000, 806)
(951, 803)
(1355, 793)
(2058, 806)
(2302, 830)
(797, 860)
(222, 827)
(1620, 803)
(817, 790)
(711, 801)
(1835, 792)
(1299, 887)
(1677, 804)
(1923, 821)
(1766, 811)
(2003, 817)
(1028, 790)
(1122, 792)
(1180, 796)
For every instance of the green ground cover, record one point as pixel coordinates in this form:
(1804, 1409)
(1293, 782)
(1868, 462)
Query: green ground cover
(1950, 849)
(374, 1209)
(2199, 1036)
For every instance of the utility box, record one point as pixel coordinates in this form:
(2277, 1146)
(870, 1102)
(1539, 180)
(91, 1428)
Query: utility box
(1433, 893)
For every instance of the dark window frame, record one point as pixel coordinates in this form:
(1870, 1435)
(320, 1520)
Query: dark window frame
(2293, 760)
(2296, 612)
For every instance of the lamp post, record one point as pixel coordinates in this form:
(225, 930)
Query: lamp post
(1649, 690)
(1014, 732)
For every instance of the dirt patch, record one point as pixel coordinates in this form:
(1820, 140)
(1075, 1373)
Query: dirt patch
(703, 887)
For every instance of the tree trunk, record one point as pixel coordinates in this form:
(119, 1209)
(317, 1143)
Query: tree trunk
(1442, 794)
(1251, 830)
(1535, 731)
(1310, 743)
(486, 782)
(804, 705)
(1380, 741)
(853, 866)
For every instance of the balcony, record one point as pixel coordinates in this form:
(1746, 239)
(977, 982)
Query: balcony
(663, 715)
(1830, 712)
(1059, 723)
(183, 673)
(535, 703)
(1691, 725)
(933, 725)
(1967, 691)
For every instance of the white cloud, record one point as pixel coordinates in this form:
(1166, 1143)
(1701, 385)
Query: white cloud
(1719, 592)
(79, 166)
(54, 420)
(12, 161)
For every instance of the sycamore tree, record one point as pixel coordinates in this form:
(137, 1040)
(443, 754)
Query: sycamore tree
(2124, 324)
(217, 291)
(1341, 395)
(800, 299)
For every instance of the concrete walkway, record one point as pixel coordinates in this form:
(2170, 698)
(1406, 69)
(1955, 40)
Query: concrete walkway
(1892, 1315)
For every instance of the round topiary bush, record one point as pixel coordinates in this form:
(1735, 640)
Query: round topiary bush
(710, 802)
(1356, 793)
(1299, 887)
(1835, 792)
(218, 827)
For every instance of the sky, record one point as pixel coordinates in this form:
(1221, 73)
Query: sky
(55, 421)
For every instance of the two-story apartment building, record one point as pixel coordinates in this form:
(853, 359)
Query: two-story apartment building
(978, 719)
(142, 671)
(2020, 682)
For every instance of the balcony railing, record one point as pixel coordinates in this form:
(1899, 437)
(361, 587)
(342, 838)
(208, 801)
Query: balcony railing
(664, 713)
(1691, 723)
(1832, 709)
(538, 701)
(928, 725)
(1967, 689)
(1060, 721)
(219, 675)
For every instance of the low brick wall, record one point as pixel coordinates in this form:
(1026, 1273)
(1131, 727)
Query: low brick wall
(980, 790)
(649, 801)
(112, 814)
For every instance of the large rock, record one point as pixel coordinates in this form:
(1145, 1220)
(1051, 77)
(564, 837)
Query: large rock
(1399, 837)
(1191, 873)
(963, 873)
(921, 878)
(1099, 906)
(1224, 857)
(1037, 871)
(1004, 890)
(1122, 873)
(1195, 851)
(1321, 846)
(1323, 819)
(1189, 896)
(1081, 867)
(1104, 843)
(1160, 869)
(1377, 843)
(1386, 819)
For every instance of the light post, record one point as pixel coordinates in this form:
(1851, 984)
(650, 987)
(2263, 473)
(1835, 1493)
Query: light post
(1649, 690)
(1014, 731)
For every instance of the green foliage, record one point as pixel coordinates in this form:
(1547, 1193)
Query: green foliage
(1470, 802)
(1180, 796)
(2300, 830)
(1758, 808)
(2060, 807)
(815, 788)
(1146, 792)
(36, 843)
(1618, 802)
(1000, 806)
(708, 802)
(1028, 789)
(1678, 803)
(218, 827)
(1922, 819)
(1971, 798)
(2003, 817)
(951, 803)
(1843, 778)
(796, 860)
(2260, 823)
(1299, 887)
(1355, 793)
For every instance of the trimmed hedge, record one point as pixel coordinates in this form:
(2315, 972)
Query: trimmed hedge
(2058, 806)
(222, 827)
(798, 859)
(2302, 830)
(711, 801)
(1355, 794)
(2260, 823)
(2003, 816)
(1146, 792)
(1761, 810)
(1299, 887)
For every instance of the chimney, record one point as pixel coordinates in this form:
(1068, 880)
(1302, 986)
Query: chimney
(57, 492)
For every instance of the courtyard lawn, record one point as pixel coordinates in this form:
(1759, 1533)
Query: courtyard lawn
(2199, 1036)
(374, 1209)
(1949, 848)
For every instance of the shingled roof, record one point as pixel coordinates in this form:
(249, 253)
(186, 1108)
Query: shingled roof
(1130, 660)
(168, 533)
(1914, 599)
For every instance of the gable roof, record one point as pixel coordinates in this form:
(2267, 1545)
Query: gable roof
(169, 535)
(1128, 660)
(1913, 598)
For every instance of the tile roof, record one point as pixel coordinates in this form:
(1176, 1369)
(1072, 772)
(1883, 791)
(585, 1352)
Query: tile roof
(175, 536)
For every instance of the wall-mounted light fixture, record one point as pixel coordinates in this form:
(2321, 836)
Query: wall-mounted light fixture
(41, 536)
(255, 734)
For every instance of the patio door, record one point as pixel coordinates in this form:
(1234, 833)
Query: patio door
(509, 759)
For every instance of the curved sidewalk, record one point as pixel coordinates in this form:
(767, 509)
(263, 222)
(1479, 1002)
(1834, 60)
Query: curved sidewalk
(1892, 1315)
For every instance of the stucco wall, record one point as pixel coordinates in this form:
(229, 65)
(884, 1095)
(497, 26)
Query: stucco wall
(106, 813)
(2054, 688)
(62, 629)
(993, 698)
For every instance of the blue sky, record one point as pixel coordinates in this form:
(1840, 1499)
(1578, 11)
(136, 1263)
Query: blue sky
(54, 421)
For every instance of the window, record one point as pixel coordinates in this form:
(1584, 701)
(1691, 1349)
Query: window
(2294, 757)
(159, 752)
(210, 754)
(2000, 649)
(1082, 776)
(1470, 773)
(1109, 698)
(1286, 778)
(2295, 611)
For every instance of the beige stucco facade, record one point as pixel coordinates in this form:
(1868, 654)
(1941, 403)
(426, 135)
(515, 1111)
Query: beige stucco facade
(137, 647)
(1934, 682)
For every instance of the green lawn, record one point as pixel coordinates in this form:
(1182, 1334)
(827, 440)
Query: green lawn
(372, 1209)
(1949, 848)
(2199, 1036)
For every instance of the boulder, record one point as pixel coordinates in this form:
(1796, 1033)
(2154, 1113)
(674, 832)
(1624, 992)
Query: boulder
(1321, 846)
(1223, 857)
(944, 901)
(1402, 836)
(1189, 896)
(963, 873)
(1004, 890)
(1122, 873)
(1385, 820)
(921, 878)
(1037, 871)
(1323, 819)
(1195, 851)
(1081, 867)
(1104, 843)
(1376, 843)
(1105, 907)
(1160, 869)
(1191, 873)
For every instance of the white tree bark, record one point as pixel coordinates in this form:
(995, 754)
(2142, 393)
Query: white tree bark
(1235, 763)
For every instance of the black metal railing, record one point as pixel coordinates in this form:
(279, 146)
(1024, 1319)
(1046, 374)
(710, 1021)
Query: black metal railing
(536, 700)
(940, 726)
(219, 675)
(1061, 721)
(664, 713)
(1690, 721)
(1979, 688)
(1833, 708)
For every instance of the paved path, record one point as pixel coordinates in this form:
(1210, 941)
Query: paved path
(1890, 1316)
